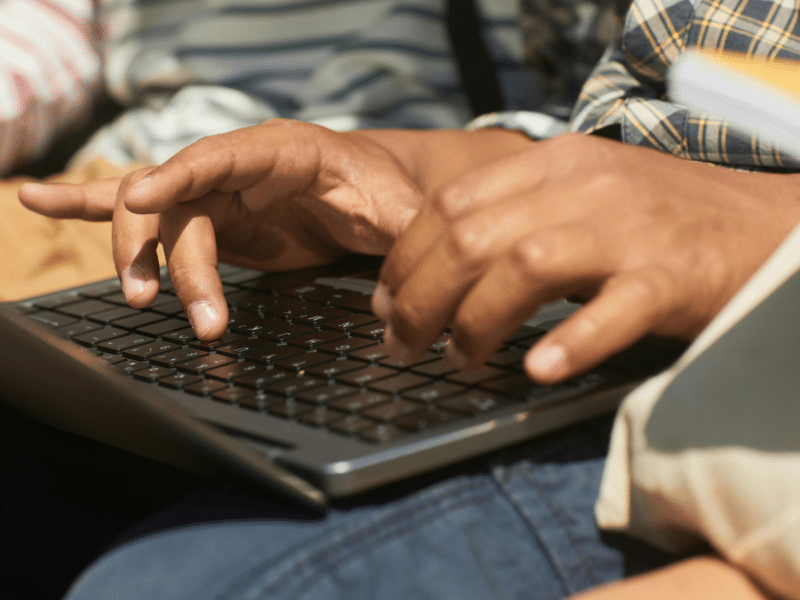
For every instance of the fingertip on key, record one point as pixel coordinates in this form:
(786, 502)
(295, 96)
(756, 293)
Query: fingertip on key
(547, 362)
(204, 319)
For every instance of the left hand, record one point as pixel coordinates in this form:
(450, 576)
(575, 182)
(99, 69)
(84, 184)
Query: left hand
(277, 196)
(657, 244)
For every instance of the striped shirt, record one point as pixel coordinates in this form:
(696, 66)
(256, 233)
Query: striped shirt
(191, 68)
(49, 73)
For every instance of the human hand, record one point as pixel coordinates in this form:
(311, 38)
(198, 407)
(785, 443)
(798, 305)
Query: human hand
(276, 196)
(654, 243)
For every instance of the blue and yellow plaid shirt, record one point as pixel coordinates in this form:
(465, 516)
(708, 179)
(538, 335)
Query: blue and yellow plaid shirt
(625, 91)
(626, 88)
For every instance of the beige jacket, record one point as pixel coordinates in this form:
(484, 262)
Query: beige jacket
(711, 448)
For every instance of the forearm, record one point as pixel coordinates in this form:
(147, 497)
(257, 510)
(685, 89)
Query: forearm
(433, 158)
(700, 578)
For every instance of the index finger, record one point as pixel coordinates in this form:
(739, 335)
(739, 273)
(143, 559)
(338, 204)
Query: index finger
(230, 162)
(89, 201)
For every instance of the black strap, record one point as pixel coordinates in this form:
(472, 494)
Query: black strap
(475, 65)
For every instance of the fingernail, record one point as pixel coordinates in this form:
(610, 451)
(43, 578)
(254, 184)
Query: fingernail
(202, 316)
(382, 302)
(133, 282)
(548, 361)
(455, 355)
(394, 347)
(34, 188)
(141, 187)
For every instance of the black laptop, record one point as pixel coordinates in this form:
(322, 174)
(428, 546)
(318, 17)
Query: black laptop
(299, 395)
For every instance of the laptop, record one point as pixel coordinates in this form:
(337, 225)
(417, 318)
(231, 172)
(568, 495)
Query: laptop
(298, 396)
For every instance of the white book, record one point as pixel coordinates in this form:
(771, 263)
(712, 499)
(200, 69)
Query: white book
(757, 96)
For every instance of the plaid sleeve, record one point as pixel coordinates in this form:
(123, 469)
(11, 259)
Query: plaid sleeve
(627, 88)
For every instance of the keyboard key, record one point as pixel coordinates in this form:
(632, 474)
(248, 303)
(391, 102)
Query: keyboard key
(208, 345)
(83, 308)
(170, 309)
(119, 344)
(205, 387)
(334, 367)
(162, 327)
(234, 370)
(366, 375)
(392, 410)
(290, 310)
(391, 361)
(369, 354)
(433, 391)
(319, 315)
(525, 336)
(99, 335)
(374, 331)
(204, 363)
(180, 336)
(130, 366)
(435, 368)
(359, 304)
(111, 359)
(287, 332)
(328, 393)
(112, 314)
(361, 401)
(138, 320)
(474, 402)
(101, 289)
(351, 424)
(398, 383)
(78, 328)
(273, 353)
(150, 349)
(345, 345)
(302, 290)
(349, 322)
(255, 324)
(230, 395)
(243, 347)
(179, 380)
(153, 373)
(475, 376)
(314, 339)
(382, 433)
(516, 385)
(261, 379)
(52, 319)
(289, 408)
(304, 362)
(331, 295)
(320, 416)
(294, 385)
(424, 419)
(170, 359)
(511, 357)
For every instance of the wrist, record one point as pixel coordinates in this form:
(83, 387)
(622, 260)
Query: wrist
(434, 157)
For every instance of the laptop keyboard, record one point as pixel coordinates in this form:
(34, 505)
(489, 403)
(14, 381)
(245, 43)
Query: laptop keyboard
(309, 353)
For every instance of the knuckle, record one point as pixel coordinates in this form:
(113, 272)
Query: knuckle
(466, 242)
(452, 201)
(530, 257)
(651, 288)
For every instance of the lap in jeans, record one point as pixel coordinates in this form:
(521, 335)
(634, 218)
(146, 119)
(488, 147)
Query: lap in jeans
(518, 525)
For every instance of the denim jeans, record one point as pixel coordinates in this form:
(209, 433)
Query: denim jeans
(516, 525)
